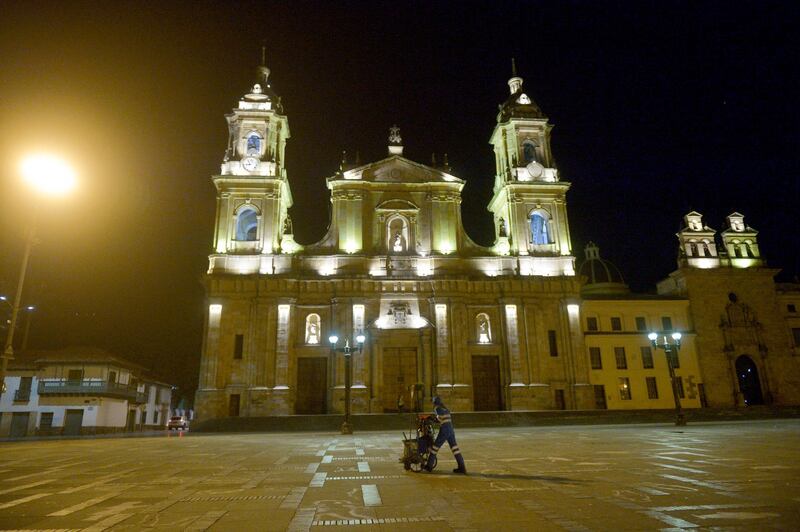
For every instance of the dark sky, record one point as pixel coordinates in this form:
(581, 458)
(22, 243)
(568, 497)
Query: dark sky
(659, 107)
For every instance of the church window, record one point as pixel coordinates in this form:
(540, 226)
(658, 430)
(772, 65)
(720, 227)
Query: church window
(253, 144)
(483, 329)
(551, 340)
(791, 307)
(591, 323)
(312, 329)
(540, 229)
(247, 224)
(529, 151)
(705, 250)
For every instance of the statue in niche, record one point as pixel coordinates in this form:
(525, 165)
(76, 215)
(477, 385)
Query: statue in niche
(502, 230)
(312, 332)
(397, 242)
(483, 330)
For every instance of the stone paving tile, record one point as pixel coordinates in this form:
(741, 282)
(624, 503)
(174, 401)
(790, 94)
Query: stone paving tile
(731, 476)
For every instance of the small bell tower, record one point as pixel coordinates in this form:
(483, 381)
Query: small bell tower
(253, 193)
(741, 243)
(529, 201)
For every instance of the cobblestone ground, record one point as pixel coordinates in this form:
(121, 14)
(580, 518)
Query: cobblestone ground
(727, 476)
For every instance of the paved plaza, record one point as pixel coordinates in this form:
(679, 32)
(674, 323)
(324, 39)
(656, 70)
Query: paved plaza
(720, 476)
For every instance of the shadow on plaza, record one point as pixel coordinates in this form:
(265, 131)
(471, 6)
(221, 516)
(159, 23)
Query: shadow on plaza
(516, 476)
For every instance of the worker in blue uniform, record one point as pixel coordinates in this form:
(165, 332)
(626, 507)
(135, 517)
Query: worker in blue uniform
(446, 433)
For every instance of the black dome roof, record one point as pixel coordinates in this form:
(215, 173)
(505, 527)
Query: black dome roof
(602, 276)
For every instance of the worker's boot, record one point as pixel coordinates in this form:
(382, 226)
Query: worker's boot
(462, 469)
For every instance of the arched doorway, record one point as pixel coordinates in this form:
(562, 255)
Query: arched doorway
(749, 384)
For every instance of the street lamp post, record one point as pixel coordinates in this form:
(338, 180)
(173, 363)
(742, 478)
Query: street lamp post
(669, 347)
(29, 313)
(347, 427)
(50, 176)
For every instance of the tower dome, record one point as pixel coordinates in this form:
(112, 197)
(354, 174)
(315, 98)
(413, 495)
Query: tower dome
(518, 104)
(602, 277)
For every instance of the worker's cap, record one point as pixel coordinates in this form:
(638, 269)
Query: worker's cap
(437, 400)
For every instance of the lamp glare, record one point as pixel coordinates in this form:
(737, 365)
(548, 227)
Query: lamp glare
(676, 336)
(652, 336)
(333, 339)
(48, 174)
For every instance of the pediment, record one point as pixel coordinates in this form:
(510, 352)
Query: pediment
(398, 169)
(397, 205)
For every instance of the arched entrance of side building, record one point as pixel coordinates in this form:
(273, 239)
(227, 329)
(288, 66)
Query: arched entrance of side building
(749, 382)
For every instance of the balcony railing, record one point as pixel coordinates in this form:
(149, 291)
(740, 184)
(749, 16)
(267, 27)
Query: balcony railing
(22, 395)
(91, 387)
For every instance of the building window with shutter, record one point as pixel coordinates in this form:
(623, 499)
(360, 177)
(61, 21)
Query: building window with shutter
(652, 388)
(591, 324)
(595, 358)
(616, 324)
(647, 357)
(624, 388)
(679, 386)
(619, 356)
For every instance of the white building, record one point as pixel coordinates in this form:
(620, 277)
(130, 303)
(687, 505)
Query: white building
(80, 391)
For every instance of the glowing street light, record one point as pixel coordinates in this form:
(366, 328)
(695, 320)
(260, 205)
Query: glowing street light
(47, 175)
(669, 347)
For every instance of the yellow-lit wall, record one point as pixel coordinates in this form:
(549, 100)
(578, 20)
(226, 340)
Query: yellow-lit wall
(632, 340)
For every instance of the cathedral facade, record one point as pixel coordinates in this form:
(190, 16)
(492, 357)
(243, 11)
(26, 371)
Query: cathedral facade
(398, 286)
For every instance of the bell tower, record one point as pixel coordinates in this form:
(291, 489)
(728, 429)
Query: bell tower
(253, 193)
(529, 201)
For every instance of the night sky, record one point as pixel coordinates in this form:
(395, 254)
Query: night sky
(659, 108)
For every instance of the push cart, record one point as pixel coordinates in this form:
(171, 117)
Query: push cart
(417, 445)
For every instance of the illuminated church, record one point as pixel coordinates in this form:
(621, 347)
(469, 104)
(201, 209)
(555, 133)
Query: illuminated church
(513, 326)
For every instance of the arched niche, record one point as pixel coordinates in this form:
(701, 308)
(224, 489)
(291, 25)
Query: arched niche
(483, 328)
(246, 223)
(540, 228)
(313, 329)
